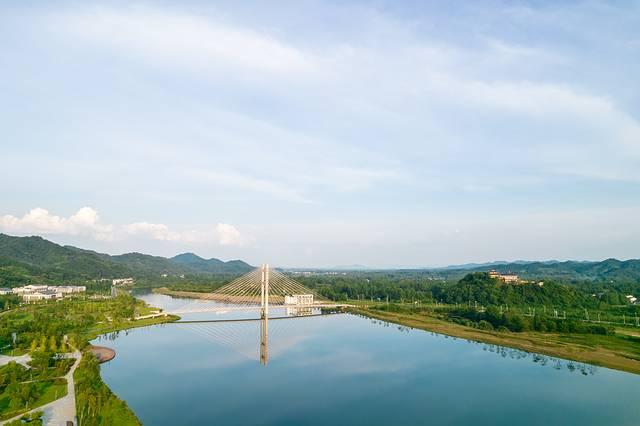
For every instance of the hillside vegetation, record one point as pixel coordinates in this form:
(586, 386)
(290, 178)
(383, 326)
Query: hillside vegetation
(34, 259)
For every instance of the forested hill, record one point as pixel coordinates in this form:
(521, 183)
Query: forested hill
(29, 259)
(480, 288)
(608, 270)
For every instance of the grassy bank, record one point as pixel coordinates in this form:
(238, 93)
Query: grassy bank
(95, 403)
(42, 392)
(620, 351)
(104, 328)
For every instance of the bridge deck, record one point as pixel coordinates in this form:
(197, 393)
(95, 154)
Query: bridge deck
(250, 319)
(217, 308)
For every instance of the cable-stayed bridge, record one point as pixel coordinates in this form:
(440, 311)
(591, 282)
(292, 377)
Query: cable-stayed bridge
(258, 290)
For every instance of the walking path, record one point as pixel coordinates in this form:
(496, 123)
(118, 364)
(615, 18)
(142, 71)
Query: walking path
(22, 359)
(62, 410)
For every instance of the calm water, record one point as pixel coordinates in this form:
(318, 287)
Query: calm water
(343, 369)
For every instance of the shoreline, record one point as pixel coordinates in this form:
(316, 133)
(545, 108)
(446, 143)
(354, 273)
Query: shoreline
(179, 293)
(550, 344)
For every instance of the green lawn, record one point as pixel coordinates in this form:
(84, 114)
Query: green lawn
(48, 390)
(13, 351)
(145, 310)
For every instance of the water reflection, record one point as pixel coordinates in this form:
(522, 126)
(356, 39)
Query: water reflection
(274, 337)
(264, 341)
(356, 370)
(505, 352)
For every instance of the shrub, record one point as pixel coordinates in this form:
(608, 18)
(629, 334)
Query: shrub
(485, 325)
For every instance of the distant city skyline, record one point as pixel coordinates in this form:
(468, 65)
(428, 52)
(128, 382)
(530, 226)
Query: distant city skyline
(320, 134)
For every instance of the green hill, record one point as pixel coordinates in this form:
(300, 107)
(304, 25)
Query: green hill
(480, 288)
(213, 266)
(31, 259)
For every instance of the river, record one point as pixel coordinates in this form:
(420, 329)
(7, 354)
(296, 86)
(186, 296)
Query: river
(343, 369)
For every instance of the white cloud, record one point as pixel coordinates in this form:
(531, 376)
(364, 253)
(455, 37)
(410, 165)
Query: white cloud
(228, 234)
(182, 40)
(86, 222)
(156, 231)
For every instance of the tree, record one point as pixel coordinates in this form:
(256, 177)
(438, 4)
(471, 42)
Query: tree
(43, 343)
(53, 345)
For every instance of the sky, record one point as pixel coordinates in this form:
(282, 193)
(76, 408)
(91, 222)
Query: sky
(324, 133)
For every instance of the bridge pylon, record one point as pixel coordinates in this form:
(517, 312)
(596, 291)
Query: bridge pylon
(264, 292)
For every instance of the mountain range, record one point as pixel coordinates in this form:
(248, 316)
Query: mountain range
(29, 258)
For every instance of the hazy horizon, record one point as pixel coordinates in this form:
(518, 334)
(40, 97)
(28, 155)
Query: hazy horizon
(319, 134)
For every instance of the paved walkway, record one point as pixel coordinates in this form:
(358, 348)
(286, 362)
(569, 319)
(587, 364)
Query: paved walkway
(22, 359)
(58, 412)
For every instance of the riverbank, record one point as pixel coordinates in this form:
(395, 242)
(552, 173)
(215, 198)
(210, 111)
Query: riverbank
(620, 352)
(111, 327)
(96, 404)
(180, 293)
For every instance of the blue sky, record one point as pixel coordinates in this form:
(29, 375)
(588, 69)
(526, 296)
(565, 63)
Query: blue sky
(312, 133)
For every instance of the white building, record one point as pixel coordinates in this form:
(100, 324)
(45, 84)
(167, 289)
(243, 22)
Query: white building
(29, 288)
(507, 278)
(300, 311)
(5, 290)
(299, 299)
(41, 295)
(122, 281)
(31, 293)
(632, 299)
(67, 289)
